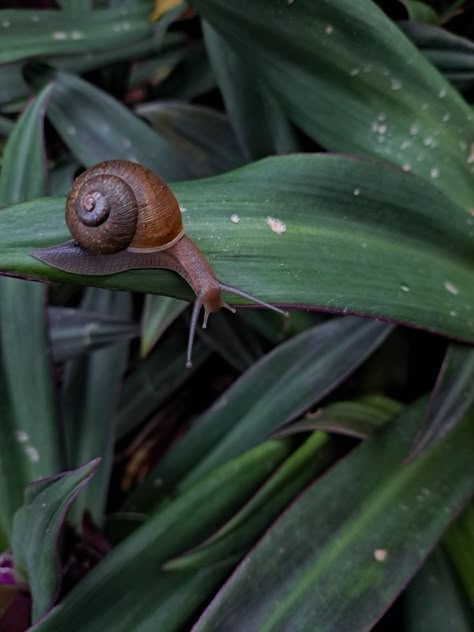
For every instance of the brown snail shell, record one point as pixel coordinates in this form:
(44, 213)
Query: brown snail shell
(119, 204)
(124, 217)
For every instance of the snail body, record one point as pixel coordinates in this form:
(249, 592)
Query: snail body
(124, 217)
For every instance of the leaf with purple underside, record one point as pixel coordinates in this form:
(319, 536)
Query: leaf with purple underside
(37, 530)
(349, 235)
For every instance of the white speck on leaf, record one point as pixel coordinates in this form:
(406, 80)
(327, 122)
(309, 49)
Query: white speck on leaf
(276, 225)
(356, 192)
(59, 35)
(32, 453)
(404, 288)
(234, 218)
(452, 289)
(442, 93)
(21, 436)
(406, 168)
(183, 209)
(380, 555)
(434, 173)
(6, 23)
(446, 117)
(329, 29)
(413, 130)
(396, 84)
(470, 158)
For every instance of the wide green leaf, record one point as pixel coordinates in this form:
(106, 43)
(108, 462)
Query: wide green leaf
(273, 391)
(33, 33)
(320, 231)
(351, 80)
(332, 565)
(96, 127)
(36, 532)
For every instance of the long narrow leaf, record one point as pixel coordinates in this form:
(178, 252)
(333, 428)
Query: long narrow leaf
(450, 399)
(332, 565)
(276, 389)
(36, 533)
(319, 60)
(308, 230)
(90, 399)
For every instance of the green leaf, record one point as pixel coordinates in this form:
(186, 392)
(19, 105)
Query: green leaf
(451, 54)
(421, 11)
(36, 529)
(96, 127)
(433, 601)
(357, 418)
(233, 340)
(241, 531)
(201, 136)
(158, 314)
(75, 5)
(358, 237)
(30, 432)
(459, 543)
(450, 399)
(108, 598)
(260, 125)
(90, 400)
(154, 379)
(30, 439)
(23, 174)
(332, 565)
(35, 33)
(6, 126)
(276, 389)
(73, 332)
(339, 69)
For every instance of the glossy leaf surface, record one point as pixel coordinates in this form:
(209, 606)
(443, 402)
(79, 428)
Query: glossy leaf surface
(36, 532)
(322, 231)
(311, 560)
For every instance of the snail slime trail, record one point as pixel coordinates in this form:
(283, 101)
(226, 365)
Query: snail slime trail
(124, 217)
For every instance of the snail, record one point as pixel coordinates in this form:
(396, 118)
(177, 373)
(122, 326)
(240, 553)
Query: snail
(124, 217)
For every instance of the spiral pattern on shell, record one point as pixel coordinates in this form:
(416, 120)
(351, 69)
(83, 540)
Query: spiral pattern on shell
(101, 213)
(119, 204)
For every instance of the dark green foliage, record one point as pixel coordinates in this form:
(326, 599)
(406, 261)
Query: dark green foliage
(304, 473)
